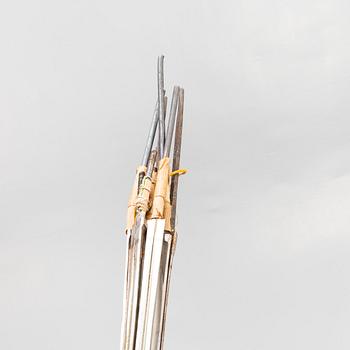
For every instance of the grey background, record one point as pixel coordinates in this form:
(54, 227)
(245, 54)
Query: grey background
(263, 255)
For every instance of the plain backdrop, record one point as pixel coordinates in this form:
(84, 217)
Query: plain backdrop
(263, 254)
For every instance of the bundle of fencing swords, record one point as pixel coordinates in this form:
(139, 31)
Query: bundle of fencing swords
(150, 229)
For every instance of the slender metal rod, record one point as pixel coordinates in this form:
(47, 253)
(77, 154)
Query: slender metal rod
(151, 163)
(176, 158)
(165, 107)
(164, 118)
(171, 122)
(151, 135)
(161, 103)
(158, 132)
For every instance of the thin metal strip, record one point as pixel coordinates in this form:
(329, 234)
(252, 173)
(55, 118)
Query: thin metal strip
(161, 292)
(127, 273)
(166, 301)
(154, 278)
(136, 287)
(131, 279)
(144, 296)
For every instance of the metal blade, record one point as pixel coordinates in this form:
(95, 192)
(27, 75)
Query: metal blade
(144, 297)
(157, 226)
(161, 292)
(127, 278)
(168, 276)
(134, 276)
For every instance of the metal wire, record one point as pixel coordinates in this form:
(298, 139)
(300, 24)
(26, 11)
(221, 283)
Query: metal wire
(171, 123)
(151, 135)
(161, 103)
(151, 163)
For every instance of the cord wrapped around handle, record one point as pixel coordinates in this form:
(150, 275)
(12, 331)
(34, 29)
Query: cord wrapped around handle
(131, 212)
(161, 189)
